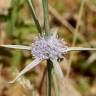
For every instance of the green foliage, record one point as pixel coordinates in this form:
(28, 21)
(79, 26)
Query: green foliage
(16, 7)
(34, 16)
(16, 59)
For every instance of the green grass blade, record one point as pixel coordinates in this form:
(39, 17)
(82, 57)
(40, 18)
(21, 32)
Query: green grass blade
(34, 16)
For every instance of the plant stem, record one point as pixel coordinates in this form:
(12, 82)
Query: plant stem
(34, 16)
(46, 18)
(49, 68)
(55, 83)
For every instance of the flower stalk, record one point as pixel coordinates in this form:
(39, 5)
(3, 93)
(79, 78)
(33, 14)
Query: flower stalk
(49, 70)
(46, 17)
(47, 33)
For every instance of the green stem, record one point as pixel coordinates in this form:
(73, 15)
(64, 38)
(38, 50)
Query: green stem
(55, 83)
(46, 18)
(34, 16)
(49, 68)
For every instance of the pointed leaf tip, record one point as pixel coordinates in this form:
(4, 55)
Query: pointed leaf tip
(17, 46)
(26, 69)
(80, 49)
(58, 68)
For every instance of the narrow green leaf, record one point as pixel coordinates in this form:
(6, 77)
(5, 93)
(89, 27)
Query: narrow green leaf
(34, 16)
(55, 83)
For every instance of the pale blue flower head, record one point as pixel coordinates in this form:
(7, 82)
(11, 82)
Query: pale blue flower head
(49, 48)
(44, 48)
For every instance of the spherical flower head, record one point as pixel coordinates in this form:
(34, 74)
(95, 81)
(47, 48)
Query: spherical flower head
(48, 48)
(45, 48)
(40, 49)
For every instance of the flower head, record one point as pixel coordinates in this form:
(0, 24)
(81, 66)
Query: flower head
(48, 48)
(51, 48)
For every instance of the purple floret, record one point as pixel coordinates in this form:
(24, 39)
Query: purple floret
(51, 48)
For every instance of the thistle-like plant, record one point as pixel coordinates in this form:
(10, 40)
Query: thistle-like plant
(44, 48)
(47, 46)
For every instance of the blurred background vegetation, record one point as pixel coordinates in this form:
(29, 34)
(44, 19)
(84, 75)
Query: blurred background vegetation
(17, 27)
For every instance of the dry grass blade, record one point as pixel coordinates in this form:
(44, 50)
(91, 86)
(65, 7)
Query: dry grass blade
(39, 11)
(68, 89)
(64, 22)
(91, 6)
(76, 31)
(91, 59)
